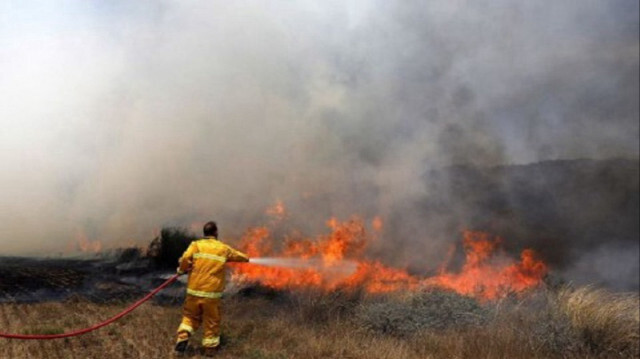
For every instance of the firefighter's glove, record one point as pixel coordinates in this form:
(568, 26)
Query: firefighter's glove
(180, 272)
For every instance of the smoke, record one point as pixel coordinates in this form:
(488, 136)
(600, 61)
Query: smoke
(121, 117)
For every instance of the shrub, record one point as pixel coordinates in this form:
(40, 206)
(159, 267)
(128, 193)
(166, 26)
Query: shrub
(539, 322)
(166, 249)
(430, 310)
(321, 307)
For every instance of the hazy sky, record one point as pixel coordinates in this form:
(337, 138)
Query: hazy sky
(118, 117)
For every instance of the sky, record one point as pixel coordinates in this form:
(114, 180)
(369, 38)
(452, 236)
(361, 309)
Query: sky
(120, 117)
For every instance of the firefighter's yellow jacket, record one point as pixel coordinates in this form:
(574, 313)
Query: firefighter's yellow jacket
(205, 259)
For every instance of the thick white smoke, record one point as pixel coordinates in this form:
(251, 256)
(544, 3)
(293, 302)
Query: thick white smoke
(120, 117)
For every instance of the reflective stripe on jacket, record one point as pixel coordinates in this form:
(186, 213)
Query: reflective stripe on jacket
(204, 260)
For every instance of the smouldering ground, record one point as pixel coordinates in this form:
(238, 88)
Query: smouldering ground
(583, 323)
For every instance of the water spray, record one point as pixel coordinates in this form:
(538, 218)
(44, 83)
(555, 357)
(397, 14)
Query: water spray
(345, 267)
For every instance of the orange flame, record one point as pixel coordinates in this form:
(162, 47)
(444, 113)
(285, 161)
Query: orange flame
(278, 211)
(84, 244)
(487, 273)
(81, 243)
(483, 277)
(377, 223)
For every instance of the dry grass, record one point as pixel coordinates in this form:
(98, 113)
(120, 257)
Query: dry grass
(607, 322)
(432, 310)
(582, 323)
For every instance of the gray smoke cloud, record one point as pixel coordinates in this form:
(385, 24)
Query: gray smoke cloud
(120, 117)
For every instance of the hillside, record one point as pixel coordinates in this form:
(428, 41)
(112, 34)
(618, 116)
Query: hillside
(580, 215)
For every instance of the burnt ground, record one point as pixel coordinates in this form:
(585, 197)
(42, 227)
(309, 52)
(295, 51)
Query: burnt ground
(29, 280)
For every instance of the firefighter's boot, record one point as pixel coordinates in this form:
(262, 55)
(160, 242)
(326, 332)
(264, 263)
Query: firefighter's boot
(210, 352)
(181, 347)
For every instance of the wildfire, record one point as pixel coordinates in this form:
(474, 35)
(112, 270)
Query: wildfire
(336, 260)
(278, 211)
(377, 224)
(487, 273)
(83, 244)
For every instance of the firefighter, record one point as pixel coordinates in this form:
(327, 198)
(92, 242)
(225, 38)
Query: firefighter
(204, 260)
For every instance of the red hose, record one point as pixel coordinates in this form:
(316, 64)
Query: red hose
(97, 326)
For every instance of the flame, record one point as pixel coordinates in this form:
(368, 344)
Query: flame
(84, 244)
(488, 273)
(278, 211)
(482, 276)
(81, 243)
(377, 224)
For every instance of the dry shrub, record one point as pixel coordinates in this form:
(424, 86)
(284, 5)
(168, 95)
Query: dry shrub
(165, 250)
(321, 307)
(608, 323)
(430, 310)
(536, 324)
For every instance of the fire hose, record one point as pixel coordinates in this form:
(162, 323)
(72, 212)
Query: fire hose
(96, 326)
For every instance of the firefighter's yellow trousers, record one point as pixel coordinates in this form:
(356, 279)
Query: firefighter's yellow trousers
(205, 311)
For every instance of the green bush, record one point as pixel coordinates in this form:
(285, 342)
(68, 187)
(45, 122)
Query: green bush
(165, 250)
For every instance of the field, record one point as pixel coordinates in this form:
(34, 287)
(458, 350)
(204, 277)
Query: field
(260, 323)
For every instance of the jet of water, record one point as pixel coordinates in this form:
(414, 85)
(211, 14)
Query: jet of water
(344, 267)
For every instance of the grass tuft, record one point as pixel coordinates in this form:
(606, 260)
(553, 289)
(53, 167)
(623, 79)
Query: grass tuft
(608, 323)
